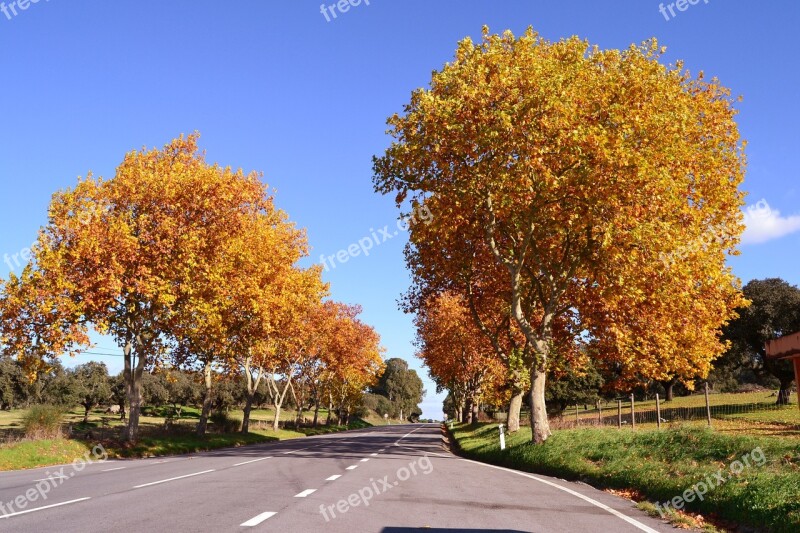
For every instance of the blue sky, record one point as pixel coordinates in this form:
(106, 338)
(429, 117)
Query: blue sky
(276, 87)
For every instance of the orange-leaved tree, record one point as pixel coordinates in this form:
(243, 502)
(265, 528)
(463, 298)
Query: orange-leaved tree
(583, 171)
(38, 324)
(127, 250)
(458, 357)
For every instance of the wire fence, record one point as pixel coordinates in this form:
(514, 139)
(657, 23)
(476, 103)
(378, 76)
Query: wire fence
(757, 412)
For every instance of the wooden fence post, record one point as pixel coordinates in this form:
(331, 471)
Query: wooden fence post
(619, 413)
(633, 412)
(658, 412)
(708, 406)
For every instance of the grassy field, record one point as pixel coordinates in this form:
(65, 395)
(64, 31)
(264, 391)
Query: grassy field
(695, 400)
(156, 439)
(661, 465)
(746, 413)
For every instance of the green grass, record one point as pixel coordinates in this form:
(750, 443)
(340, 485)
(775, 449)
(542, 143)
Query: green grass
(155, 441)
(745, 413)
(190, 443)
(660, 465)
(35, 453)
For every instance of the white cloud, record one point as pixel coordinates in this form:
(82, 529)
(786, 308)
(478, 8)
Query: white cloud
(766, 224)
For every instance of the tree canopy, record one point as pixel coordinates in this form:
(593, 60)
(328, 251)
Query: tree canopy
(601, 186)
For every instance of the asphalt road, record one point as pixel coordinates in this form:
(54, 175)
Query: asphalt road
(384, 479)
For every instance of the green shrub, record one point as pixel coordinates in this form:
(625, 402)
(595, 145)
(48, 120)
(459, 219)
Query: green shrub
(224, 422)
(43, 422)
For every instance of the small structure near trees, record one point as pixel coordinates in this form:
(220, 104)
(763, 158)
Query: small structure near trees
(786, 348)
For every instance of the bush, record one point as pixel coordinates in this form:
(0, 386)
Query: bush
(43, 422)
(224, 422)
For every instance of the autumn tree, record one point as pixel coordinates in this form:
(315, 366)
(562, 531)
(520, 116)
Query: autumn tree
(126, 251)
(603, 183)
(354, 362)
(455, 352)
(469, 270)
(38, 322)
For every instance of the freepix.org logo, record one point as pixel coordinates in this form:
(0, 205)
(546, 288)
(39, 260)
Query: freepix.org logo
(12, 9)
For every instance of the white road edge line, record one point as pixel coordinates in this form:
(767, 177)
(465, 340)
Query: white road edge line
(351, 467)
(258, 519)
(172, 479)
(594, 502)
(112, 469)
(333, 477)
(305, 493)
(252, 461)
(9, 515)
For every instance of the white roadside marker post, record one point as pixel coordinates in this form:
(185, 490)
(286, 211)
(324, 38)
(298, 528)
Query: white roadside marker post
(502, 438)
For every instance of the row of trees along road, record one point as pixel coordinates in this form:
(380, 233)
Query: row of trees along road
(189, 264)
(583, 203)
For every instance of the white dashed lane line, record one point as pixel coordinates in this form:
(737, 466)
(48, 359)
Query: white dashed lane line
(333, 477)
(351, 467)
(365, 459)
(172, 479)
(252, 461)
(112, 469)
(9, 515)
(305, 493)
(258, 519)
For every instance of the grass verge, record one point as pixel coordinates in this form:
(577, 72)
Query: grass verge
(35, 453)
(661, 466)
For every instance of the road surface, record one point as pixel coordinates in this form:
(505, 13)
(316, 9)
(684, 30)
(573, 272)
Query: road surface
(383, 479)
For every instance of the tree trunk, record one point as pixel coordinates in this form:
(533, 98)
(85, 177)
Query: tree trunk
(202, 424)
(514, 407)
(85, 414)
(476, 408)
(316, 411)
(299, 400)
(468, 412)
(669, 387)
(248, 406)
(133, 390)
(540, 426)
(251, 388)
(784, 392)
(279, 402)
(330, 409)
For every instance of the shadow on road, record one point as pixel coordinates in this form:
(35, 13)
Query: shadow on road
(445, 530)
